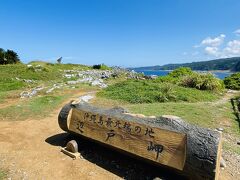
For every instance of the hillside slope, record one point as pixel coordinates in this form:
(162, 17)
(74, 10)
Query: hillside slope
(230, 64)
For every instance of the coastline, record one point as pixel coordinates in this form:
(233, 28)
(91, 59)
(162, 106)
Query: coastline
(217, 71)
(213, 71)
(221, 74)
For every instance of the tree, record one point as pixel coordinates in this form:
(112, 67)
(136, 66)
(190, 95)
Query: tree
(8, 57)
(12, 57)
(2, 56)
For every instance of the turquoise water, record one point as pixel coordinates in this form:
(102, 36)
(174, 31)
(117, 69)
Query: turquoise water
(220, 75)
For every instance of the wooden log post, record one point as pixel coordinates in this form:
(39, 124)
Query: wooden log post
(166, 140)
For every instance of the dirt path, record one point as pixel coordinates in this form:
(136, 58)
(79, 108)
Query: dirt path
(11, 102)
(27, 153)
(31, 150)
(226, 97)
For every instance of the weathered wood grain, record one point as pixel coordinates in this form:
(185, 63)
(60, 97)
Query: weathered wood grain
(156, 144)
(166, 140)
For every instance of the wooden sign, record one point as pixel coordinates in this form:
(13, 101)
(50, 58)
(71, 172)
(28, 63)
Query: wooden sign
(152, 143)
(165, 140)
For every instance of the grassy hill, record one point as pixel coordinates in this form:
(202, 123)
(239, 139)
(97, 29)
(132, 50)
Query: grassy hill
(229, 64)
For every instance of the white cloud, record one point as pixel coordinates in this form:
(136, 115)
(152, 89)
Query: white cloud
(216, 47)
(237, 32)
(213, 51)
(214, 42)
(232, 48)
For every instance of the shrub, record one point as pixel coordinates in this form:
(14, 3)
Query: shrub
(8, 57)
(184, 76)
(175, 75)
(97, 66)
(233, 81)
(167, 79)
(101, 66)
(202, 82)
(180, 72)
(147, 91)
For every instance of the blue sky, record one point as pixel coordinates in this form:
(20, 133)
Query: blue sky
(121, 32)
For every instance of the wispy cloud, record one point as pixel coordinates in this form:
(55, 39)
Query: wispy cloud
(211, 41)
(214, 42)
(232, 48)
(237, 32)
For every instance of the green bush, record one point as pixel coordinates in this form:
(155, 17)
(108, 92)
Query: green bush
(202, 82)
(147, 91)
(180, 72)
(101, 66)
(184, 76)
(233, 81)
(167, 79)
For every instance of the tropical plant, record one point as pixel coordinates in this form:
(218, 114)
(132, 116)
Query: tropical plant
(233, 81)
(202, 82)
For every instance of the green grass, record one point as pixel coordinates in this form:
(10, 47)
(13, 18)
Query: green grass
(2, 96)
(49, 72)
(203, 114)
(150, 92)
(37, 107)
(3, 174)
(60, 66)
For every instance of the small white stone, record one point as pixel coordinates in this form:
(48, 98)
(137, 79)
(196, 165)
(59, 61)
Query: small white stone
(222, 163)
(220, 129)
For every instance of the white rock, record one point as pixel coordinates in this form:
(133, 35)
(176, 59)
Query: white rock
(220, 129)
(72, 82)
(96, 83)
(28, 80)
(68, 76)
(85, 98)
(103, 86)
(222, 163)
(33, 92)
(50, 90)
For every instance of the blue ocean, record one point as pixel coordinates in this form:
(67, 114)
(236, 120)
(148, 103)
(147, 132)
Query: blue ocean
(220, 75)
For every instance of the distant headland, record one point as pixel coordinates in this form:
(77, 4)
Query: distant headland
(224, 64)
